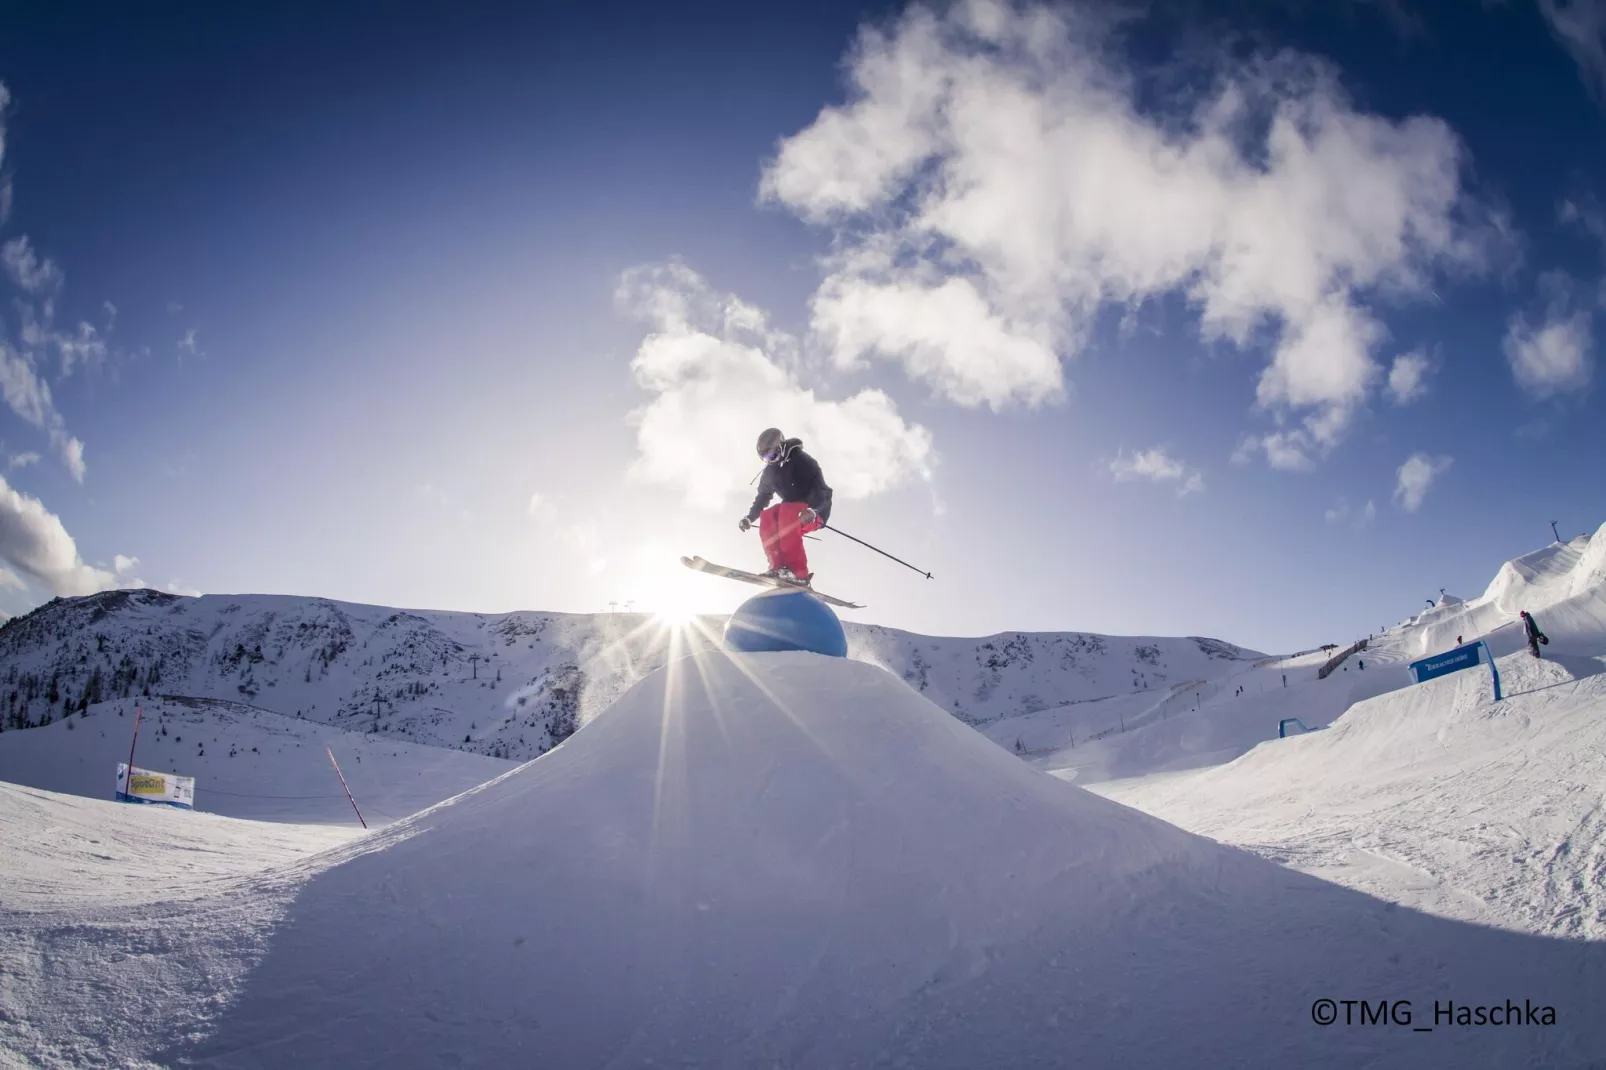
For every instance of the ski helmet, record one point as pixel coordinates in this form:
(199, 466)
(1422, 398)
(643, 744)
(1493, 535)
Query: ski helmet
(770, 444)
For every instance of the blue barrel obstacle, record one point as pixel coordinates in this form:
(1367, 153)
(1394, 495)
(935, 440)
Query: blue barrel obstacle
(786, 620)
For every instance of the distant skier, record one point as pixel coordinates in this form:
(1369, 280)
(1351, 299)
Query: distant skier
(805, 505)
(1530, 628)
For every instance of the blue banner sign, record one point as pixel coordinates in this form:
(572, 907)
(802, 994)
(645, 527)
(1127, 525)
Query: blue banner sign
(1462, 657)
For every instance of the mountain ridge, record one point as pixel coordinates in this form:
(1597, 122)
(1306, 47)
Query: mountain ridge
(417, 673)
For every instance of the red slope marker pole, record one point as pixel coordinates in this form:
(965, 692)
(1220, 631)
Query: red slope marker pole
(128, 782)
(342, 777)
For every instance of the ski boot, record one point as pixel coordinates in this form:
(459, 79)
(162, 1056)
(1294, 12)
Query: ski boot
(786, 575)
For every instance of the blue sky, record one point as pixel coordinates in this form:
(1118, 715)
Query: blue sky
(1255, 321)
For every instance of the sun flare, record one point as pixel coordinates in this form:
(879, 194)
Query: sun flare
(675, 615)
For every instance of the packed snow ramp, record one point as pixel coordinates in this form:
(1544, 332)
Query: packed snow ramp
(788, 860)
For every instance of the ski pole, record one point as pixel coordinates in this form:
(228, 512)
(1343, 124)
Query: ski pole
(883, 553)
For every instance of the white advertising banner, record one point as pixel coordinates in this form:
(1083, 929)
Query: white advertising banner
(148, 787)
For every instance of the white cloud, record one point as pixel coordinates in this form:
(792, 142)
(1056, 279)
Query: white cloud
(41, 280)
(186, 344)
(1408, 377)
(26, 393)
(11, 581)
(174, 308)
(81, 348)
(29, 397)
(124, 567)
(27, 270)
(1534, 429)
(72, 455)
(537, 503)
(1580, 26)
(718, 374)
(1557, 356)
(1583, 211)
(1415, 476)
(22, 460)
(994, 183)
(182, 588)
(1341, 513)
(1158, 466)
(1288, 451)
(34, 542)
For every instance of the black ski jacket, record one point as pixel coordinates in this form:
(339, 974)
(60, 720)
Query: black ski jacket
(1531, 626)
(796, 477)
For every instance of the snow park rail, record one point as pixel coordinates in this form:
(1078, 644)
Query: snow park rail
(1282, 727)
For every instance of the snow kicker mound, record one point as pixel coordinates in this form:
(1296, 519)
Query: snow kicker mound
(794, 860)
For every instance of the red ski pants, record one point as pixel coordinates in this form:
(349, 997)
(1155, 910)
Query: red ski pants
(783, 536)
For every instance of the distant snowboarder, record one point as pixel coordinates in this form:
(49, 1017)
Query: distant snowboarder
(805, 504)
(1530, 628)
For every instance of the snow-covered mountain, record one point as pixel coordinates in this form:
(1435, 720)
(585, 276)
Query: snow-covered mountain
(504, 685)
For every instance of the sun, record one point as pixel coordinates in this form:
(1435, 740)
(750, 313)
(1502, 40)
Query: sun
(673, 595)
(676, 615)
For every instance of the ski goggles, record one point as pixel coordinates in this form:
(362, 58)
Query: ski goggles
(771, 456)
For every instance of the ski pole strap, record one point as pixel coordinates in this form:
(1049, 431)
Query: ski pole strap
(878, 550)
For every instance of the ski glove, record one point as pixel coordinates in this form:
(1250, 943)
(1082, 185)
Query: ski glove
(807, 517)
(744, 523)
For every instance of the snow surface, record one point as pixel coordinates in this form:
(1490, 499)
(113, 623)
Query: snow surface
(247, 762)
(1432, 795)
(789, 860)
(122, 926)
(783, 860)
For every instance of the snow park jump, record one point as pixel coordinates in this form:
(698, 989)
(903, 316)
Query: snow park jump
(790, 859)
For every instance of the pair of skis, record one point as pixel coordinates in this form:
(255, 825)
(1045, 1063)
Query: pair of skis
(701, 565)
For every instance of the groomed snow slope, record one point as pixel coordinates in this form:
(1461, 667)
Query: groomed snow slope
(247, 762)
(121, 925)
(1434, 795)
(788, 860)
(1430, 795)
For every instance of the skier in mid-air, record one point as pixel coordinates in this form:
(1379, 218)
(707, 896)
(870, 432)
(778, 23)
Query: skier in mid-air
(1530, 629)
(805, 505)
